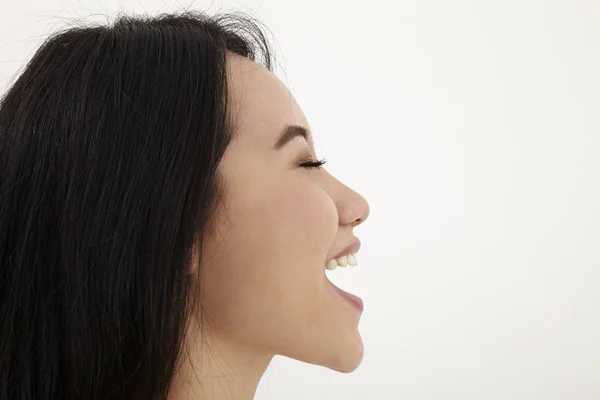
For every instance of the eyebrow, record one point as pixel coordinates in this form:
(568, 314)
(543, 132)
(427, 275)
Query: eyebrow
(289, 133)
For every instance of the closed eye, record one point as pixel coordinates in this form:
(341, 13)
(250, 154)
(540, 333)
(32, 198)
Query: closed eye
(313, 163)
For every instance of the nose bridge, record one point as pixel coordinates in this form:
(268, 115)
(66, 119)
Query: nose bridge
(352, 207)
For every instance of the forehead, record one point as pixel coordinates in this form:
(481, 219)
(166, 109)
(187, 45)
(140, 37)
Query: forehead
(262, 104)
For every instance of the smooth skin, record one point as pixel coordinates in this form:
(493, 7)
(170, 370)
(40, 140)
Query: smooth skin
(265, 289)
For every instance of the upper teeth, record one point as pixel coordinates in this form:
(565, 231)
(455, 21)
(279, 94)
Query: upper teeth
(343, 261)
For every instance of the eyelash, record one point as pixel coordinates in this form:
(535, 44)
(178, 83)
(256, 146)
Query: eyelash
(313, 164)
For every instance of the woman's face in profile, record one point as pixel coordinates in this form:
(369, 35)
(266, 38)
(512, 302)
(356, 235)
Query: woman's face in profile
(265, 287)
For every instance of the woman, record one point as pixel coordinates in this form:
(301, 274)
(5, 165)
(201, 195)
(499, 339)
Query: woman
(159, 238)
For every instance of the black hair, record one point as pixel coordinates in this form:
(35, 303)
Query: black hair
(110, 141)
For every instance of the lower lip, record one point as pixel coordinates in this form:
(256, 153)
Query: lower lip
(352, 299)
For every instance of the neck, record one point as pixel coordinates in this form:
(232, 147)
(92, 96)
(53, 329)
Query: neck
(217, 368)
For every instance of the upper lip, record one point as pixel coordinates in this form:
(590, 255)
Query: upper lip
(352, 248)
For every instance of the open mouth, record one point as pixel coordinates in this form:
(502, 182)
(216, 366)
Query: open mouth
(352, 299)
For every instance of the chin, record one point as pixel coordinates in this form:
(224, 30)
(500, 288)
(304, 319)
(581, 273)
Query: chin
(338, 355)
(347, 362)
(341, 359)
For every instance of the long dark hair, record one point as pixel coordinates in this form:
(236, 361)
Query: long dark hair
(109, 145)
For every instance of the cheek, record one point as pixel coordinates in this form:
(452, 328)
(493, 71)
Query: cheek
(312, 211)
(268, 276)
(304, 223)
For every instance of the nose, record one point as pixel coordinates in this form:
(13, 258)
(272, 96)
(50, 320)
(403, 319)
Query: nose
(353, 209)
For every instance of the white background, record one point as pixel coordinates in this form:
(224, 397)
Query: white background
(472, 128)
